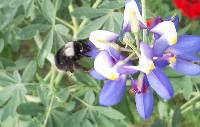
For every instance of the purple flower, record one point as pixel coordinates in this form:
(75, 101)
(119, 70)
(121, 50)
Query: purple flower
(183, 56)
(143, 97)
(132, 16)
(155, 76)
(106, 68)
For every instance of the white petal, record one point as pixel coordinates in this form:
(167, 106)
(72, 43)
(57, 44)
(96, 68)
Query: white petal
(167, 30)
(103, 64)
(102, 39)
(132, 16)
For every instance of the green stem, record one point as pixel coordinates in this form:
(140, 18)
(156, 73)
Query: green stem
(74, 21)
(197, 106)
(95, 5)
(48, 111)
(64, 23)
(190, 101)
(83, 102)
(144, 18)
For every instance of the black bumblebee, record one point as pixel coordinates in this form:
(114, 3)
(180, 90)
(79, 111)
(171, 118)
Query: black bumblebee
(67, 57)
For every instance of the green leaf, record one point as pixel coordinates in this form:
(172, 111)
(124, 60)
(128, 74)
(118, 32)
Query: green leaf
(91, 26)
(85, 78)
(112, 5)
(28, 32)
(1, 45)
(109, 112)
(103, 121)
(86, 123)
(61, 29)
(177, 118)
(29, 71)
(185, 86)
(114, 22)
(49, 11)
(45, 49)
(162, 109)
(89, 97)
(6, 79)
(86, 12)
(30, 109)
(7, 16)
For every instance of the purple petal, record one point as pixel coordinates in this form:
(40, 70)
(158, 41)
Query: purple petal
(160, 83)
(156, 21)
(175, 20)
(144, 103)
(96, 75)
(113, 91)
(126, 70)
(161, 63)
(114, 53)
(92, 53)
(187, 45)
(160, 46)
(146, 50)
(187, 68)
(139, 6)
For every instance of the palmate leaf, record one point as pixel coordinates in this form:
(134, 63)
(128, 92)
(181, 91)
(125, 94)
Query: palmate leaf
(185, 86)
(46, 48)
(11, 95)
(86, 12)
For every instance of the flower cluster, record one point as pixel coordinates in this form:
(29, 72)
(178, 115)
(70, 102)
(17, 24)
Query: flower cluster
(120, 57)
(189, 8)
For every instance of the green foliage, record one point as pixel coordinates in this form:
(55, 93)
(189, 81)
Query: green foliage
(33, 93)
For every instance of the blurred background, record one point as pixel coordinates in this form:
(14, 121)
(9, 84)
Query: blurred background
(33, 93)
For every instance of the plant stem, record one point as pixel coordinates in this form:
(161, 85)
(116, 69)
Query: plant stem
(64, 23)
(190, 101)
(83, 102)
(74, 21)
(48, 111)
(95, 5)
(144, 18)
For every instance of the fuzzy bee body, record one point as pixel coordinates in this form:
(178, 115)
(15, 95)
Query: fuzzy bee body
(67, 57)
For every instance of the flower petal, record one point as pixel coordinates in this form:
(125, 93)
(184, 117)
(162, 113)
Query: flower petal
(160, 46)
(175, 20)
(127, 70)
(185, 67)
(104, 65)
(102, 39)
(96, 75)
(145, 103)
(145, 61)
(132, 16)
(160, 83)
(161, 63)
(167, 30)
(188, 47)
(113, 91)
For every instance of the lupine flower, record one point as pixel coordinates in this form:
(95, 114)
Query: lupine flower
(132, 16)
(106, 67)
(182, 56)
(155, 76)
(189, 8)
(110, 65)
(143, 97)
(103, 39)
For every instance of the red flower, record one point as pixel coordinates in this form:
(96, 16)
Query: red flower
(189, 8)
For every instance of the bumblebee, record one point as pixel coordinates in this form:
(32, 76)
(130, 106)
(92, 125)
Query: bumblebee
(67, 57)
